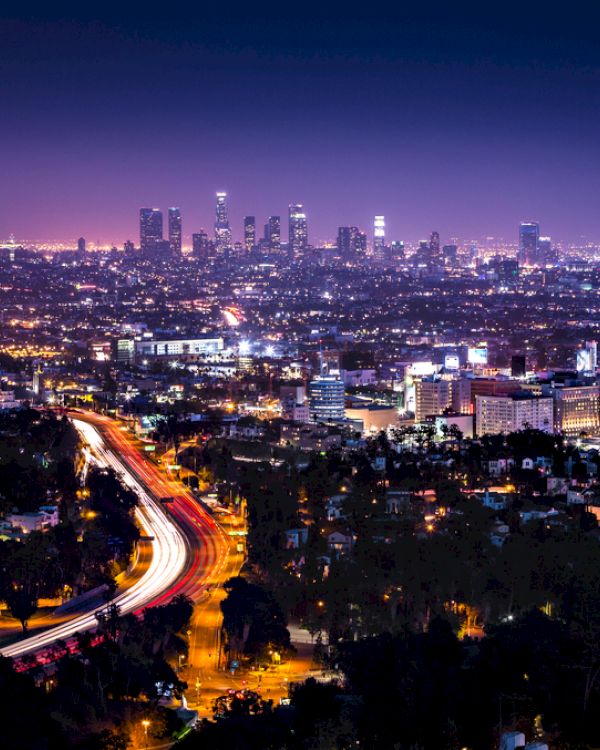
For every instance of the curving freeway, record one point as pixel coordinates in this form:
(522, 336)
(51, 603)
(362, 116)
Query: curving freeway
(189, 549)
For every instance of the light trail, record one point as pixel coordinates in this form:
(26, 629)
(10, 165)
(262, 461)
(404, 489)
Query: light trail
(170, 552)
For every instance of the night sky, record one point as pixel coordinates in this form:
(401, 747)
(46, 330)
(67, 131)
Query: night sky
(466, 120)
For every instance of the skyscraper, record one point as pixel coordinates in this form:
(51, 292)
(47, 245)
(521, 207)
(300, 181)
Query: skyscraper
(351, 244)
(546, 255)
(151, 229)
(249, 232)
(175, 231)
(379, 237)
(222, 228)
(449, 255)
(435, 257)
(529, 233)
(346, 240)
(200, 245)
(298, 230)
(81, 245)
(274, 234)
(396, 250)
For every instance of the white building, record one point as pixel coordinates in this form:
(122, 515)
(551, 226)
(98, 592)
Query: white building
(178, 347)
(496, 415)
(39, 520)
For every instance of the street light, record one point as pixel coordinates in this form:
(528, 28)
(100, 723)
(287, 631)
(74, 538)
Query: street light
(146, 724)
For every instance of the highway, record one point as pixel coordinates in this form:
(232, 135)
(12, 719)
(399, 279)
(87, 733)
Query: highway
(189, 553)
(184, 554)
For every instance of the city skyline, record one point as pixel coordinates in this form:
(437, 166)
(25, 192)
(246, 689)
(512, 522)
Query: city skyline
(174, 220)
(473, 125)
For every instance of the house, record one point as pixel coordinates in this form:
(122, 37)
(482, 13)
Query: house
(39, 520)
(334, 507)
(557, 485)
(498, 466)
(296, 538)
(495, 500)
(537, 513)
(340, 542)
(397, 501)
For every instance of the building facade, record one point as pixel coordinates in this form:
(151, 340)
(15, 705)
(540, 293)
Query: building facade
(577, 410)
(497, 415)
(151, 229)
(175, 231)
(326, 397)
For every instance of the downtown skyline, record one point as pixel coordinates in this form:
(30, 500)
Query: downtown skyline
(471, 126)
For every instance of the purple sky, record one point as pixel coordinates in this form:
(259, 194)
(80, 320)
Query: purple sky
(466, 125)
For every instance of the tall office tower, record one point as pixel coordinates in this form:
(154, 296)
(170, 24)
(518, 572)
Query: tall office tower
(200, 245)
(347, 242)
(449, 255)
(529, 234)
(151, 229)
(81, 245)
(273, 234)
(128, 247)
(546, 255)
(222, 228)
(249, 232)
(361, 245)
(175, 231)
(396, 251)
(435, 257)
(297, 230)
(379, 237)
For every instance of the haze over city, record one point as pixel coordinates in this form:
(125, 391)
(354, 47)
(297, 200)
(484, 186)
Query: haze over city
(468, 119)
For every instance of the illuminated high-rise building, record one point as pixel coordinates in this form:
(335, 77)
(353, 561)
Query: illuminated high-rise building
(546, 255)
(298, 230)
(249, 232)
(379, 237)
(151, 229)
(327, 397)
(273, 234)
(222, 228)
(435, 256)
(496, 415)
(175, 231)
(396, 251)
(449, 255)
(200, 245)
(529, 233)
(351, 244)
(577, 410)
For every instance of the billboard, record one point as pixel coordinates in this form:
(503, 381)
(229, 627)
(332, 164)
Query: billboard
(477, 355)
(451, 362)
(421, 369)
